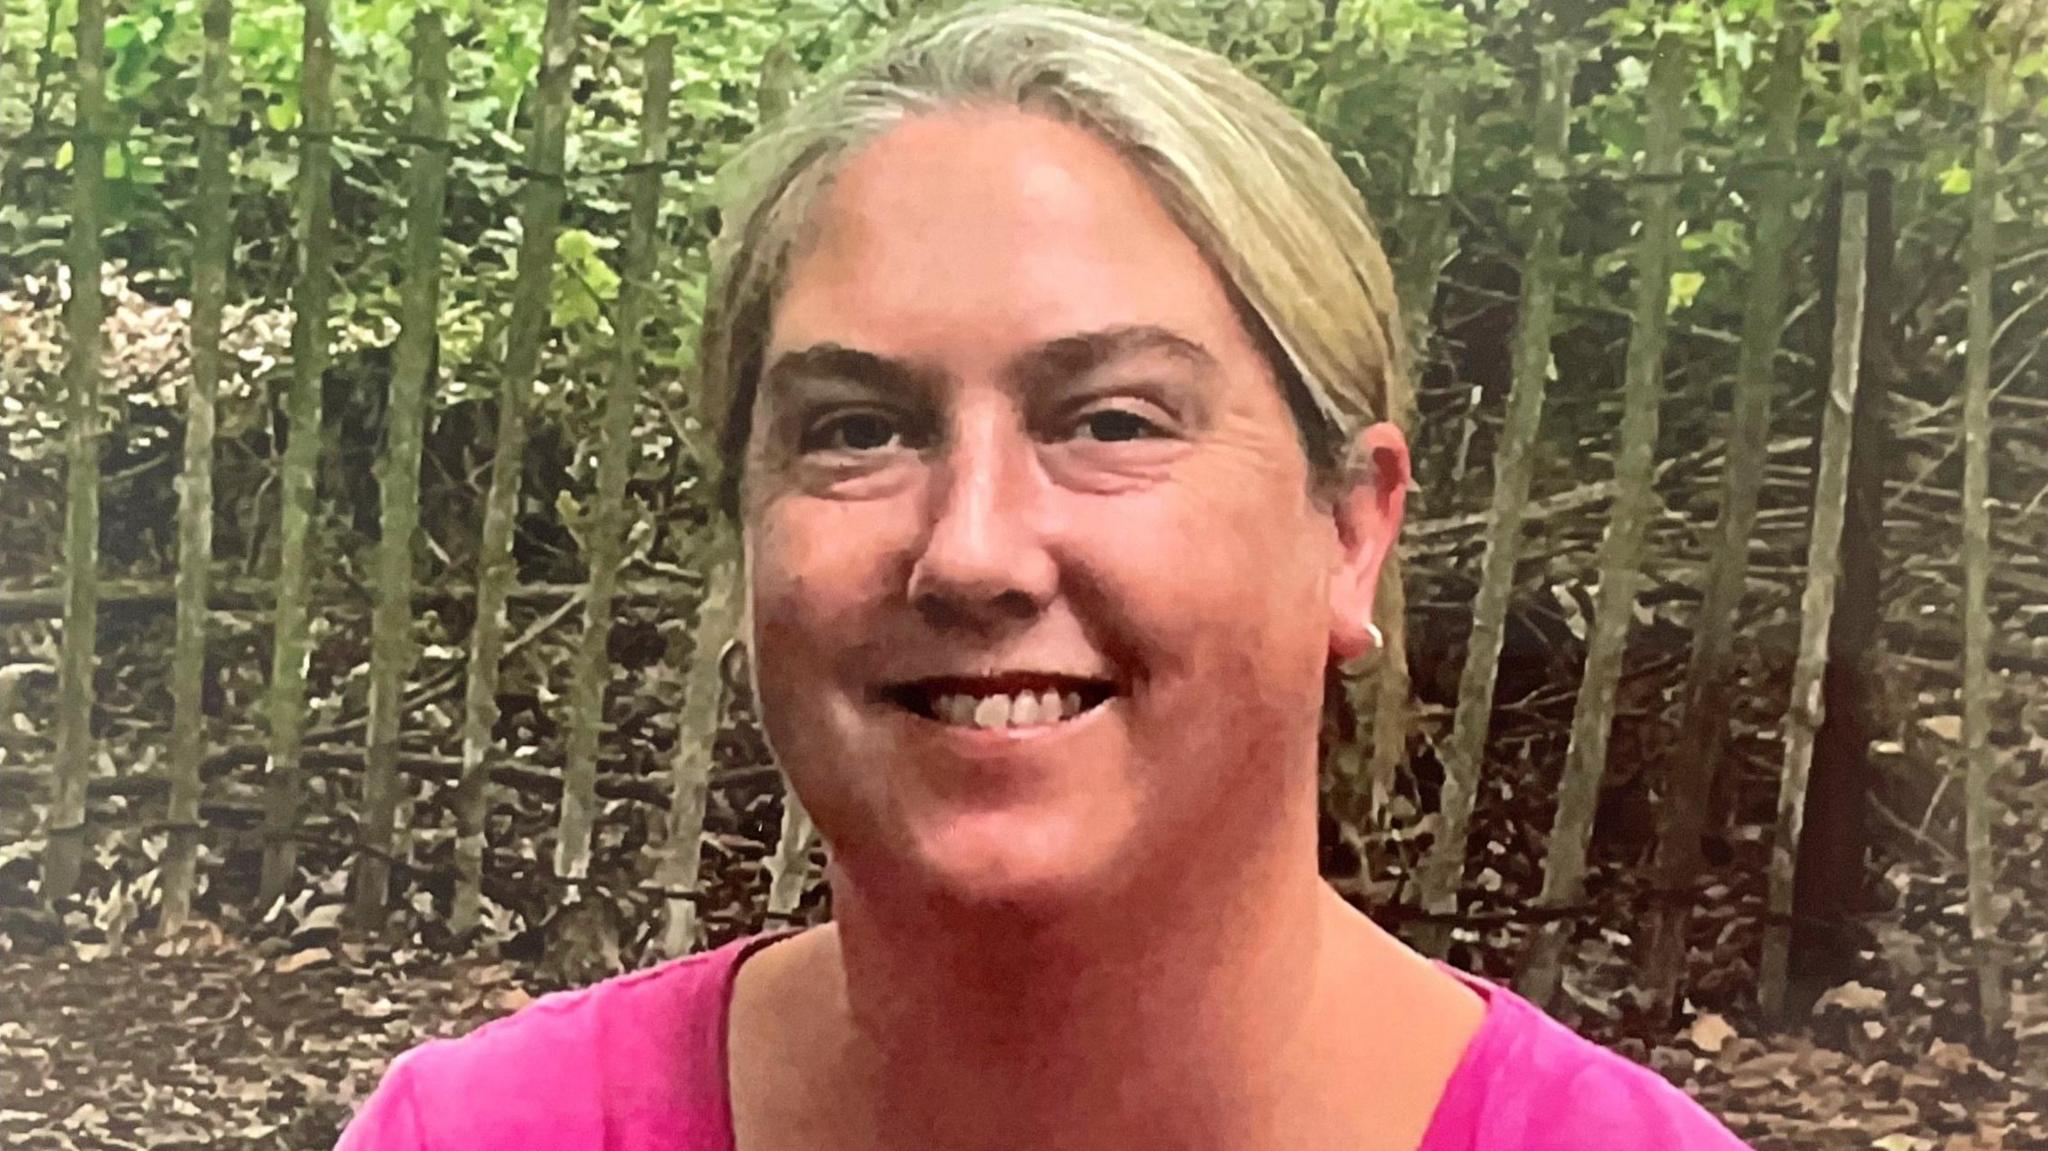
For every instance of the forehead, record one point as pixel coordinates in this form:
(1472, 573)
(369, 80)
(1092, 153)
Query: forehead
(970, 233)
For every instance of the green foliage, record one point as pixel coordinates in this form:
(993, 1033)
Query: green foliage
(1351, 67)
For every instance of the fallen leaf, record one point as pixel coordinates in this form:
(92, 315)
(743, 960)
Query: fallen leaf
(300, 960)
(1852, 997)
(326, 917)
(1709, 1033)
(1948, 727)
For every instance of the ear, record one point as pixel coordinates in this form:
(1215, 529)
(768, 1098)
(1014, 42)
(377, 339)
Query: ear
(1368, 513)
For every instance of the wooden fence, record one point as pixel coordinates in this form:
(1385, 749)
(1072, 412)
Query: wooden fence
(287, 746)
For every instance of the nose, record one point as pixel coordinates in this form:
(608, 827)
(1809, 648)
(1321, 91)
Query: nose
(984, 564)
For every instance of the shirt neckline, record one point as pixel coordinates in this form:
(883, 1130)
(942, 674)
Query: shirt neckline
(721, 1036)
(1462, 1091)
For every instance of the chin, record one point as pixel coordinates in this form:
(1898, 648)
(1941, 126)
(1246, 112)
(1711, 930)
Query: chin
(1026, 865)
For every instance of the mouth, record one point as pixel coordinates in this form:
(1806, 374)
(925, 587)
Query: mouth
(1020, 700)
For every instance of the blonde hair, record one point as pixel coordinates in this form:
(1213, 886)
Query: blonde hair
(1252, 186)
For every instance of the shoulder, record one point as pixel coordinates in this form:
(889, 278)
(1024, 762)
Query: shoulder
(641, 1052)
(1529, 1083)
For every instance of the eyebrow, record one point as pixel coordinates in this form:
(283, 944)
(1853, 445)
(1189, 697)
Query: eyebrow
(1064, 357)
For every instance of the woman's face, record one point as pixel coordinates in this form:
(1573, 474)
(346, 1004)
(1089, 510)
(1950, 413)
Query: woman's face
(1040, 600)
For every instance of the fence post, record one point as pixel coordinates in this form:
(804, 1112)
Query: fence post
(1436, 880)
(64, 851)
(1621, 548)
(1993, 997)
(1823, 557)
(615, 456)
(211, 248)
(540, 216)
(1431, 244)
(789, 866)
(1681, 817)
(398, 469)
(679, 871)
(312, 290)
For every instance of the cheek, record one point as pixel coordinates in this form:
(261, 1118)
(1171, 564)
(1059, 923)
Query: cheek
(812, 572)
(796, 606)
(1227, 622)
(1240, 570)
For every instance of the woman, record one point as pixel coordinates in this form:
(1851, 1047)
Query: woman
(1053, 356)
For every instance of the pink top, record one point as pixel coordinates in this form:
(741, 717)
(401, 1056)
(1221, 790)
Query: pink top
(638, 1063)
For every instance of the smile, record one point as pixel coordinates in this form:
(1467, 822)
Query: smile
(1003, 702)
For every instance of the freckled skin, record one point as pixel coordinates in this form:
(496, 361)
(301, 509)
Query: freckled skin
(984, 526)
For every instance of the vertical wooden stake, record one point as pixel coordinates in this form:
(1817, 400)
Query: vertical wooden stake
(1823, 557)
(83, 314)
(1682, 815)
(312, 292)
(392, 651)
(615, 456)
(214, 209)
(1993, 997)
(540, 217)
(1621, 549)
(1435, 888)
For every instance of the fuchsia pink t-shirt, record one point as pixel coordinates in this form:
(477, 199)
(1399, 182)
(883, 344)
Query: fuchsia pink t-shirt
(638, 1063)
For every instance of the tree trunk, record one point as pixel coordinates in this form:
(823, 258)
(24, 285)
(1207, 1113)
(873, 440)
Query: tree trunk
(1696, 760)
(1431, 245)
(1817, 605)
(1635, 497)
(1430, 242)
(690, 770)
(1829, 875)
(291, 651)
(84, 312)
(1437, 879)
(607, 527)
(398, 471)
(1993, 999)
(214, 197)
(539, 217)
(789, 869)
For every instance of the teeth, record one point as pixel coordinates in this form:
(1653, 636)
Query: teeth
(992, 711)
(957, 709)
(1024, 709)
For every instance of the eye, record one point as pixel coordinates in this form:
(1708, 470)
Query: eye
(860, 431)
(1116, 425)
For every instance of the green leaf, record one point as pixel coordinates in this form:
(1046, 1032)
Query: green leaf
(584, 283)
(1956, 181)
(1684, 286)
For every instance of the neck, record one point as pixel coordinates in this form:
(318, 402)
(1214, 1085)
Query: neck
(1179, 1020)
